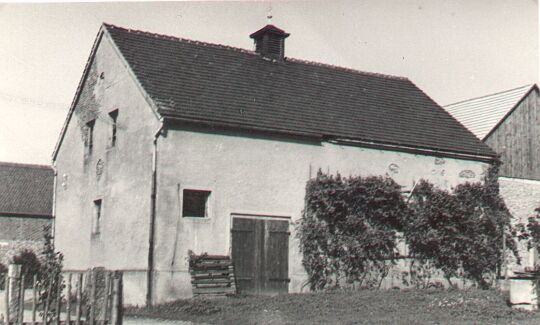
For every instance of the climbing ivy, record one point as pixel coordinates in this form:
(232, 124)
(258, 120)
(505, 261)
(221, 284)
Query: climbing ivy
(461, 232)
(348, 231)
(349, 227)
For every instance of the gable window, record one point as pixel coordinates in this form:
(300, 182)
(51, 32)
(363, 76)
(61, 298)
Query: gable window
(114, 117)
(96, 224)
(195, 204)
(90, 136)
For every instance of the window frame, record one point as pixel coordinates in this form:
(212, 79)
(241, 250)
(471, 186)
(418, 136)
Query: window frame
(89, 143)
(113, 115)
(97, 217)
(208, 202)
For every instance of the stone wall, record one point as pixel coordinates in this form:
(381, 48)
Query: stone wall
(521, 197)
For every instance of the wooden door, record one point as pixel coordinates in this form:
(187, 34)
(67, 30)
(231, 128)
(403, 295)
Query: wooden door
(260, 253)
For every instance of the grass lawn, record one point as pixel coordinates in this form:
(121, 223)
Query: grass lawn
(349, 307)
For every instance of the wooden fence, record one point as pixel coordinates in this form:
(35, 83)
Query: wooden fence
(91, 298)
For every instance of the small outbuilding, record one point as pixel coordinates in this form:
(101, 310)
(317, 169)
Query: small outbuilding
(26, 207)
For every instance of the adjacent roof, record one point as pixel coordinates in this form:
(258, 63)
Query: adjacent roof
(482, 114)
(217, 85)
(26, 189)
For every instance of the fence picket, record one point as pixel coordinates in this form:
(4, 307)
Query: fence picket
(92, 297)
(58, 299)
(68, 301)
(21, 300)
(79, 298)
(6, 288)
(106, 312)
(106, 297)
(34, 299)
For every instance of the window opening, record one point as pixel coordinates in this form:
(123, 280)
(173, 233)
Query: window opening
(114, 116)
(195, 203)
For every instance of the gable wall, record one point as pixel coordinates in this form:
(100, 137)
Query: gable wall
(517, 139)
(261, 176)
(120, 176)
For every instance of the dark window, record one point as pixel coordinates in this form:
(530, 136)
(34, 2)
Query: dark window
(97, 217)
(90, 136)
(114, 116)
(195, 204)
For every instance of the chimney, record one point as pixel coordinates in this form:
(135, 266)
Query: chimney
(270, 42)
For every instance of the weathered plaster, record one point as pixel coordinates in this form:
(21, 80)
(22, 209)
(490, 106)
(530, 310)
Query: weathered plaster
(261, 176)
(121, 179)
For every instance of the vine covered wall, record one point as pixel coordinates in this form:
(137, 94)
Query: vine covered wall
(349, 230)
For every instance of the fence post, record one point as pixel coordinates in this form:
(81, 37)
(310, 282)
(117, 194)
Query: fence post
(68, 301)
(6, 288)
(78, 307)
(21, 300)
(14, 274)
(34, 299)
(92, 297)
(116, 314)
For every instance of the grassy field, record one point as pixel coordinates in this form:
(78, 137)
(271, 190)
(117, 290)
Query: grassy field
(349, 307)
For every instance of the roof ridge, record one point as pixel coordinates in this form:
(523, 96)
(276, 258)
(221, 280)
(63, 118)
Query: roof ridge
(489, 95)
(337, 67)
(241, 50)
(24, 165)
(176, 38)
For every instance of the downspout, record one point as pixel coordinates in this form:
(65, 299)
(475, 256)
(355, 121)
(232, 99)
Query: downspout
(150, 271)
(53, 212)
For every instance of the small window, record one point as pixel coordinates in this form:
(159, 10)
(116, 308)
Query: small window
(90, 136)
(113, 116)
(96, 229)
(195, 204)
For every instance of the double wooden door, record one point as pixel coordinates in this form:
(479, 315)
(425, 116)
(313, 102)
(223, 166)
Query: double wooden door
(260, 253)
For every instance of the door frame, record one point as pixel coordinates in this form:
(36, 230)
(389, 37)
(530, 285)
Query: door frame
(254, 216)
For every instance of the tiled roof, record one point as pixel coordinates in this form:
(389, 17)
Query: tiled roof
(482, 114)
(26, 189)
(215, 84)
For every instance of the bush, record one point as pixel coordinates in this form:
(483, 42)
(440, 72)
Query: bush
(30, 265)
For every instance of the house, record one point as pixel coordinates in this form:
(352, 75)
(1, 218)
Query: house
(26, 207)
(509, 122)
(173, 145)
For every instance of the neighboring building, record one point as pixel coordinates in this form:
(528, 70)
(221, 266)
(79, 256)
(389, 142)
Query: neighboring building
(174, 145)
(26, 201)
(509, 122)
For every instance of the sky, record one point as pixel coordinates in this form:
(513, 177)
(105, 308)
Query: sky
(452, 50)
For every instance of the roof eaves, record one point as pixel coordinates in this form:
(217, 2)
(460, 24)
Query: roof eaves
(172, 120)
(416, 149)
(9, 214)
(22, 165)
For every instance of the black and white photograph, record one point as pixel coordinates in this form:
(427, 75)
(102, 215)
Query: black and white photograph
(269, 162)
